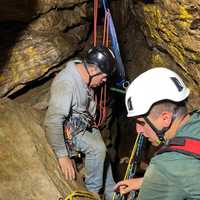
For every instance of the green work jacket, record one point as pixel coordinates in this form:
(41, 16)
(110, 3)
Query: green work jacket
(172, 175)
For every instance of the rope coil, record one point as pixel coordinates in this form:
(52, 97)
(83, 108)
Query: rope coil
(80, 193)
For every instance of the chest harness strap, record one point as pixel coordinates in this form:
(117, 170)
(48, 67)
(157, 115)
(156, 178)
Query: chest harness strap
(185, 145)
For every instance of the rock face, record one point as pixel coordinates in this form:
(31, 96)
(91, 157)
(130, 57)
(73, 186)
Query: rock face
(35, 48)
(26, 10)
(171, 31)
(28, 167)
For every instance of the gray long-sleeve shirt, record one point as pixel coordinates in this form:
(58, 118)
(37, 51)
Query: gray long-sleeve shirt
(68, 92)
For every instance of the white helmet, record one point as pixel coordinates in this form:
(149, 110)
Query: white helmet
(153, 86)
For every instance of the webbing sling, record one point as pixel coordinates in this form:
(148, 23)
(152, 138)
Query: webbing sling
(185, 145)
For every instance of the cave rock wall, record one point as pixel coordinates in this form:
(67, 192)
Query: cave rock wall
(172, 33)
(37, 37)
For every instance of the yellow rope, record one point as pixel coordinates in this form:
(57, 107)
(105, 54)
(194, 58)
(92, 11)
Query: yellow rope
(80, 193)
(132, 156)
(130, 161)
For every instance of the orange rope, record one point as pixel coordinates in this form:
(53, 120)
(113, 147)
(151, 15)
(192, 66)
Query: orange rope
(100, 108)
(103, 98)
(95, 22)
(105, 43)
(104, 105)
(106, 29)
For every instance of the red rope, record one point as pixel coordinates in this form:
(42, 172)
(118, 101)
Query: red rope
(103, 94)
(102, 106)
(106, 29)
(95, 22)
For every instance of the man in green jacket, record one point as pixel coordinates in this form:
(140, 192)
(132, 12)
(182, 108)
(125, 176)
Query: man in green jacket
(156, 99)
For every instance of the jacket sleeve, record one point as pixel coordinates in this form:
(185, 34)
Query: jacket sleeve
(159, 184)
(60, 104)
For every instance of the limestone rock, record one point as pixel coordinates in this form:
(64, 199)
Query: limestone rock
(28, 167)
(35, 49)
(172, 28)
(58, 20)
(37, 97)
(35, 56)
(26, 10)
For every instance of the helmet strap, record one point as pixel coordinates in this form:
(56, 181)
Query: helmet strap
(161, 133)
(89, 75)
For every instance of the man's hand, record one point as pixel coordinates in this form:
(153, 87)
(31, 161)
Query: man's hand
(68, 167)
(127, 186)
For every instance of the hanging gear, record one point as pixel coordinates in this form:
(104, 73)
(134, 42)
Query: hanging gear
(79, 122)
(114, 44)
(185, 145)
(152, 86)
(103, 58)
(131, 168)
(106, 60)
(109, 30)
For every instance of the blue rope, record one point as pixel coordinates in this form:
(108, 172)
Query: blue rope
(115, 46)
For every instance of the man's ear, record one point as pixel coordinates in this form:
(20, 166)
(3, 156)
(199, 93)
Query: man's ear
(166, 118)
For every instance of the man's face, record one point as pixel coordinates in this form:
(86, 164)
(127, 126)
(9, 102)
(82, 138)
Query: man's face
(99, 79)
(143, 127)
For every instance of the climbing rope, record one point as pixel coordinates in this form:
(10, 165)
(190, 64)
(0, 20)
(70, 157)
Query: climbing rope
(114, 44)
(80, 193)
(103, 92)
(106, 29)
(102, 106)
(96, 2)
(132, 166)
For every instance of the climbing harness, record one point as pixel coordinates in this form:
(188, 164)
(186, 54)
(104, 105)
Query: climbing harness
(131, 168)
(80, 193)
(185, 145)
(78, 122)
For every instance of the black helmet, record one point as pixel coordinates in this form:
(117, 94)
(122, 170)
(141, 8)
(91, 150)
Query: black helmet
(103, 58)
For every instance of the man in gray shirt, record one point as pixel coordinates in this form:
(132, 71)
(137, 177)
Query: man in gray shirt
(70, 118)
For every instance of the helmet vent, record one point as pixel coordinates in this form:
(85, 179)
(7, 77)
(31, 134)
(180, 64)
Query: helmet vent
(129, 104)
(177, 83)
